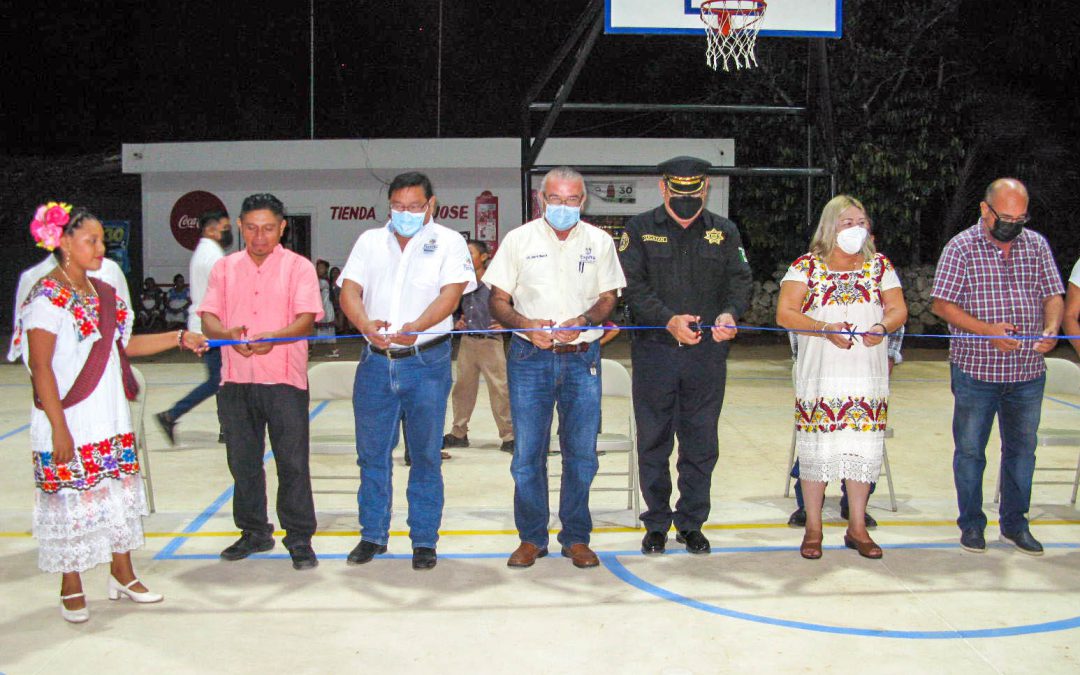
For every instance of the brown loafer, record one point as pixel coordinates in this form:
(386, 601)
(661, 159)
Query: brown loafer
(811, 545)
(867, 549)
(526, 555)
(581, 555)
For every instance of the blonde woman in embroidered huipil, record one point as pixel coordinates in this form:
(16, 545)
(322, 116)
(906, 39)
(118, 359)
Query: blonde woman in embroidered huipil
(849, 293)
(89, 501)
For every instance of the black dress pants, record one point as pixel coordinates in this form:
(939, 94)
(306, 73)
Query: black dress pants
(249, 411)
(678, 393)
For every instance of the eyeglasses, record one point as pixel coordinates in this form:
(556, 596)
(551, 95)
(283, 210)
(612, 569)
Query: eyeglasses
(556, 200)
(1019, 220)
(411, 208)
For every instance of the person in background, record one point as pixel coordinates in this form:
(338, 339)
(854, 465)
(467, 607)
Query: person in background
(74, 334)
(152, 301)
(326, 327)
(216, 236)
(177, 302)
(1070, 321)
(841, 380)
(996, 279)
(479, 353)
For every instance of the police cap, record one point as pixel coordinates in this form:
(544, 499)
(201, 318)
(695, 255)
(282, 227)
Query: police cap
(684, 175)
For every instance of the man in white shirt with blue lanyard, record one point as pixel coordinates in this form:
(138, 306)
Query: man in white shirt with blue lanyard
(402, 279)
(216, 237)
(560, 272)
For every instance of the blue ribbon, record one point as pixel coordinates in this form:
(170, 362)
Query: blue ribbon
(764, 329)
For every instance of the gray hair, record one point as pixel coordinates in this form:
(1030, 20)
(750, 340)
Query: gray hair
(562, 173)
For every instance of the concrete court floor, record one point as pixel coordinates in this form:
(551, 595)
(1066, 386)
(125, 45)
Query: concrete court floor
(753, 604)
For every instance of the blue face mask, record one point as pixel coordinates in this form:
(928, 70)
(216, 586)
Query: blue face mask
(562, 217)
(406, 223)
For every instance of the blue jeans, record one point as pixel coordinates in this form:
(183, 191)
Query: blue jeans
(540, 380)
(384, 391)
(212, 359)
(1018, 407)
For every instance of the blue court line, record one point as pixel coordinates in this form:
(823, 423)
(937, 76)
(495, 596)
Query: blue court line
(613, 565)
(168, 552)
(1051, 398)
(12, 433)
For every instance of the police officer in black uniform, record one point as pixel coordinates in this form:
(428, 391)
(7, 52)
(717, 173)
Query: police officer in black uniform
(685, 267)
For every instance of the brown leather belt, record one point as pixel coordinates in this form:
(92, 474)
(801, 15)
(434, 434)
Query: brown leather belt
(406, 352)
(571, 349)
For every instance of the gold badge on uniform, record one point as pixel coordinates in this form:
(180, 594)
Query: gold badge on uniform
(714, 236)
(624, 242)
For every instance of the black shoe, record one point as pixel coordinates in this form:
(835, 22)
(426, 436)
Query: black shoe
(248, 543)
(167, 426)
(695, 541)
(408, 460)
(452, 441)
(868, 519)
(507, 446)
(797, 519)
(303, 557)
(654, 542)
(423, 558)
(1023, 541)
(364, 552)
(221, 437)
(972, 540)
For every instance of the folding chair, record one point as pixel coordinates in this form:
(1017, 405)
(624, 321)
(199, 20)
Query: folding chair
(615, 382)
(332, 381)
(142, 450)
(1062, 377)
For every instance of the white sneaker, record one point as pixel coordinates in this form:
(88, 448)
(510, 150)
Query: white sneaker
(74, 615)
(116, 589)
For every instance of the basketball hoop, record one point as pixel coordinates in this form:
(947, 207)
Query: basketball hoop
(731, 29)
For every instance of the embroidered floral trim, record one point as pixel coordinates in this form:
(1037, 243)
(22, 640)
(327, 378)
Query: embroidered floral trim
(93, 463)
(825, 414)
(84, 309)
(841, 288)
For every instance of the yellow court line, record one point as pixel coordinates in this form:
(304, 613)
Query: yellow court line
(597, 530)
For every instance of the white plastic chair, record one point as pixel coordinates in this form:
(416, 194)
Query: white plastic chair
(615, 382)
(884, 459)
(142, 450)
(332, 381)
(1062, 378)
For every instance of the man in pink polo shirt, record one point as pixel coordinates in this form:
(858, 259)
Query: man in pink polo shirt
(265, 291)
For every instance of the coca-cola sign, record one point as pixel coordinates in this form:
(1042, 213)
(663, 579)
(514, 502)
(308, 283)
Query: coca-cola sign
(184, 219)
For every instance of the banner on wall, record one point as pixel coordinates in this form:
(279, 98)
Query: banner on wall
(117, 237)
(184, 219)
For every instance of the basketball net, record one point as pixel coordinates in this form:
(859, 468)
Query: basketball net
(731, 30)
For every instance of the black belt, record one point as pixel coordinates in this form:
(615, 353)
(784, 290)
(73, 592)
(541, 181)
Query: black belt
(406, 352)
(561, 348)
(483, 336)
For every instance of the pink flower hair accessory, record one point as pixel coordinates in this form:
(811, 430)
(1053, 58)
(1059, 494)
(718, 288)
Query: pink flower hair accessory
(48, 224)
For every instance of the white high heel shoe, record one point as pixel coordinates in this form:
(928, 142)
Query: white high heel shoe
(116, 589)
(74, 615)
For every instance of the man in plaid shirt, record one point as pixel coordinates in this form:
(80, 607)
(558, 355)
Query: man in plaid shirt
(998, 278)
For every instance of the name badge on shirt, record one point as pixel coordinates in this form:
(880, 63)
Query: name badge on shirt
(431, 246)
(587, 258)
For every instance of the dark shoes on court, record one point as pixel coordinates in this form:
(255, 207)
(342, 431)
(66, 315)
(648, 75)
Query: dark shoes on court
(507, 446)
(1023, 541)
(972, 540)
(303, 557)
(695, 541)
(423, 558)
(867, 518)
(364, 552)
(168, 426)
(452, 441)
(248, 543)
(797, 519)
(654, 543)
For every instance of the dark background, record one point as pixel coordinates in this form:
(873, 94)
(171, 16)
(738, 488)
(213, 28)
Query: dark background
(932, 100)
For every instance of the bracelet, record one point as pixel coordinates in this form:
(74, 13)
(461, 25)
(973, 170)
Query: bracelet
(883, 327)
(587, 320)
(180, 339)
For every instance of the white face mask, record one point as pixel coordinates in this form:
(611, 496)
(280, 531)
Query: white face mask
(851, 240)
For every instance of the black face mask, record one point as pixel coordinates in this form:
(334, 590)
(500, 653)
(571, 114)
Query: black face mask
(226, 239)
(685, 207)
(1006, 231)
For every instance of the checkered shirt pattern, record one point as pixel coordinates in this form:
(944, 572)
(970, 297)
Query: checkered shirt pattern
(974, 274)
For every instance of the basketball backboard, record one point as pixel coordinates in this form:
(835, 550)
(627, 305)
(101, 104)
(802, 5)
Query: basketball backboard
(783, 18)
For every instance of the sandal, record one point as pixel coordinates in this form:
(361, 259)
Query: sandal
(445, 455)
(867, 549)
(811, 545)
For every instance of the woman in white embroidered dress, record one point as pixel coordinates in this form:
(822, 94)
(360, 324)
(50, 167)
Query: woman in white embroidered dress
(843, 298)
(89, 501)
